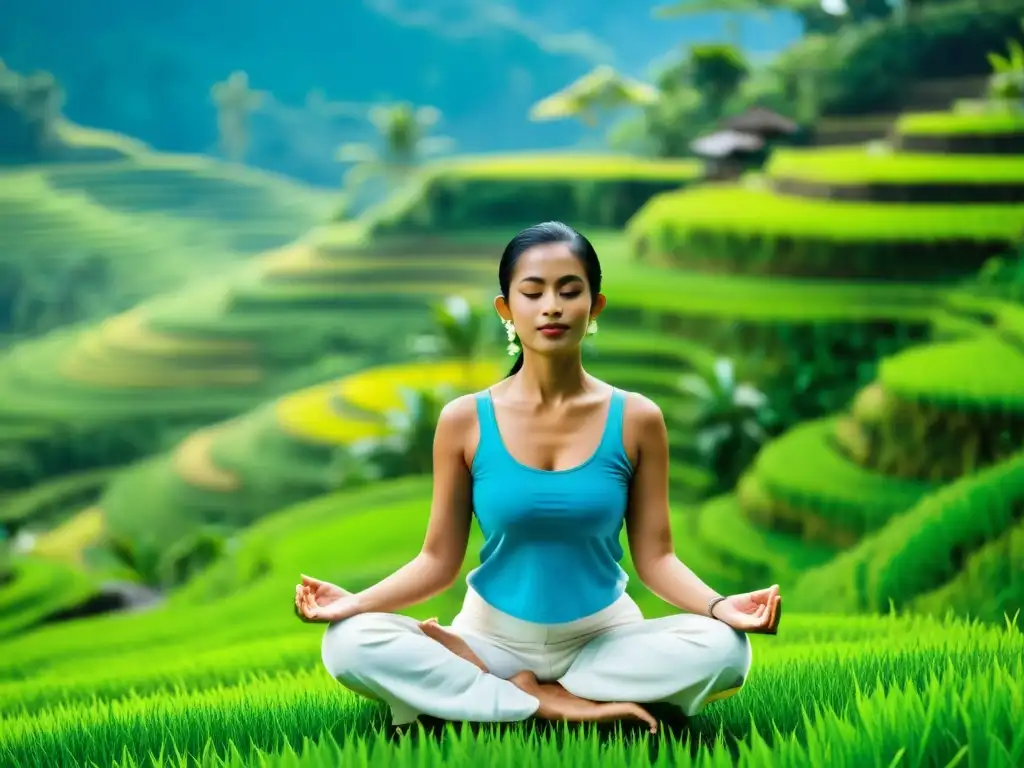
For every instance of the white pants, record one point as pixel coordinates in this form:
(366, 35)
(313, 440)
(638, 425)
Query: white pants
(685, 660)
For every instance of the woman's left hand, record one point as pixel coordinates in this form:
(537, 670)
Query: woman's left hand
(755, 612)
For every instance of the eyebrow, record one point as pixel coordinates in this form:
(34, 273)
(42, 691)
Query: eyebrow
(564, 280)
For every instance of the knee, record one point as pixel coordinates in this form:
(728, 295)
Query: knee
(347, 645)
(731, 648)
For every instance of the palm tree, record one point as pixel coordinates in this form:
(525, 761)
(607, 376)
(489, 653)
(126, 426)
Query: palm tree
(402, 132)
(600, 90)
(460, 328)
(728, 420)
(235, 101)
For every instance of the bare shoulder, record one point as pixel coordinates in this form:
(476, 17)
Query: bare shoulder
(642, 413)
(643, 427)
(458, 415)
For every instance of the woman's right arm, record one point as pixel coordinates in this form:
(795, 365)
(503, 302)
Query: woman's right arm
(440, 559)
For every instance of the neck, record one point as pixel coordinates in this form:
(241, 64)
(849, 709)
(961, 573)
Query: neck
(552, 378)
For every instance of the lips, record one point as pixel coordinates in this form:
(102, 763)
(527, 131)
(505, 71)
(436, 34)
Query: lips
(554, 327)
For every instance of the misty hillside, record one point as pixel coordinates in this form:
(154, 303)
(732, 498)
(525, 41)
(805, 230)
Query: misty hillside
(145, 69)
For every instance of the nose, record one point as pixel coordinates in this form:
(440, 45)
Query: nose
(552, 307)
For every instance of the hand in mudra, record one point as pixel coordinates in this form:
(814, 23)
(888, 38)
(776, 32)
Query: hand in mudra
(755, 612)
(313, 598)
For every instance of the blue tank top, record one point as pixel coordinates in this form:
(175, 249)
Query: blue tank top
(551, 538)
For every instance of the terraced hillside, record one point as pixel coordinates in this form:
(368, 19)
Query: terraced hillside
(99, 231)
(911, 495)
(120, 688)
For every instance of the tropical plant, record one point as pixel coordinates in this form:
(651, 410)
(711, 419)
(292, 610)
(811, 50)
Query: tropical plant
(601, 90)
(409, 447)
(461, 331)
(728, 420)
(190, 555)
(1006, 83)
(136, 562)
(353, 465)
(402, 145)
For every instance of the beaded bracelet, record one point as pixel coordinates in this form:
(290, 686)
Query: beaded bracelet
(712, 603)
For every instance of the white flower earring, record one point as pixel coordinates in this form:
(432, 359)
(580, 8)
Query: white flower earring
(510, 333)
(592, 327)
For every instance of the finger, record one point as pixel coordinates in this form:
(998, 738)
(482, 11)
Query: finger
(763, 595)
(309, 581)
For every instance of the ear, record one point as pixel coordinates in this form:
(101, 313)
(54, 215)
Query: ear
(502, 308)
(600, 302)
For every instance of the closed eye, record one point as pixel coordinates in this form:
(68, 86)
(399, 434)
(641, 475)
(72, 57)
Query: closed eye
(567, 295)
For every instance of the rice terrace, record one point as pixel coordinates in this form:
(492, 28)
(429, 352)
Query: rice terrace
(220, 371)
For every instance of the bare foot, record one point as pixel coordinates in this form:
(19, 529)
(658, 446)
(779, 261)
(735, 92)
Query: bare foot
(556, 703)
(451, 641)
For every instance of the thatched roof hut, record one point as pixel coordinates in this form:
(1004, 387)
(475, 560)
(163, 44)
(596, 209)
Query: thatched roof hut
(762, 122)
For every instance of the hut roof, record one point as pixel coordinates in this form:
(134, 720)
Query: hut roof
(761, 120)
(726, 143)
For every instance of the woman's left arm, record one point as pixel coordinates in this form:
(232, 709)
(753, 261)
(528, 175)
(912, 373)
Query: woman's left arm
(647, 520)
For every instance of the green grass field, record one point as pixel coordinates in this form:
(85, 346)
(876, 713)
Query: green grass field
(122, 688)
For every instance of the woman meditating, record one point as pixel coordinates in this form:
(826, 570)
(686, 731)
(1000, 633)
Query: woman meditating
(553, 462)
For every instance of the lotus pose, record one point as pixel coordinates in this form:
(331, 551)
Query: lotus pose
(553, 463)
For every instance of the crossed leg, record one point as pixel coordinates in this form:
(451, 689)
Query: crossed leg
(684, 660)
(556, 703)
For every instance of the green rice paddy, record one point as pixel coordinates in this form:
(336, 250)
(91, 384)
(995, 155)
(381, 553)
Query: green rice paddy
(732, 209)
(861, 165)
(955, 123)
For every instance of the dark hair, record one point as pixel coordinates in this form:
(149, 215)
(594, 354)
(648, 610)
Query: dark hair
(542, 234)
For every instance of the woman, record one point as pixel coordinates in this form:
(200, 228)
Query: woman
(553, 462)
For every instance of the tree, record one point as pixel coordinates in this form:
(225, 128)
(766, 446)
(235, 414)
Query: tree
(403, 144)
(235, 102)
(461, 327)
(30, 107)
(600, 90)
(693, 93)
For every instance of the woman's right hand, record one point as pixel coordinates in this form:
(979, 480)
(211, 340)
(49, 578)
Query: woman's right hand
(339, 610)
(314, 592)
